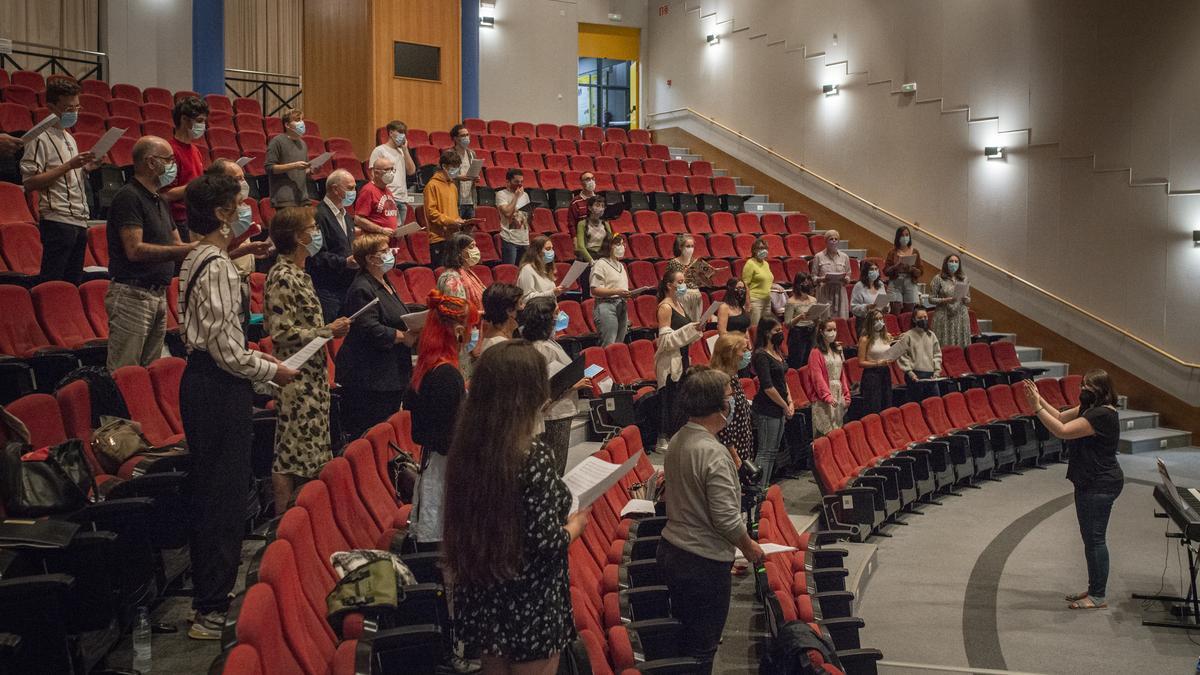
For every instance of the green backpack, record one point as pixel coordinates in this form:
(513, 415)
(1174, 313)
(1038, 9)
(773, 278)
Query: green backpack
(372, 590)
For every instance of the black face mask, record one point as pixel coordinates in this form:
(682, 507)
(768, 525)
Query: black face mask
(740, 295)
(923, 324)
(776, 339)
(1087, 398)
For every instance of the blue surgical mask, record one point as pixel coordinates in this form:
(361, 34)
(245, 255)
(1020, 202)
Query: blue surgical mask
(388, 262)
(761, 254)
(728, 409)
(904, 240)
(452, 172)
(244, 221)
(873, 275)
(198, 129)
(168, 175)
(474, 341)
(561, 322)
(681, 290)
(68, 119)
(548, 256)
(299, 127)
(745, 361)
(348, 200)
(465, 141)
(318, 240)
(397, 138)
(952, 266)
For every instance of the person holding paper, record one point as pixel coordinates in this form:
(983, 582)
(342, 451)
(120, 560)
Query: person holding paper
(293, 319)
(772, 405)
(610, 288)
(873, 344)
(827, 380)
(461, 137)
(143, 248)
(287, 162)
(514, 223)
(591, 231)
(191, 118)
(508, 524)
(676, 332)
(375, 360)
(441, 205)
(375, 210)
(578, 208)
(902, 267)
(333, 266)
(704, 517)
(396, 149)
(437, 390)
(951, 320)
(868, 293)
(799, 323)
(540, 320)
(732, 315)
(758, 277)
(216, 400)
(54, 166)
(829, 268)
(731, 354)
(460, 280)
(922, 358)
(246, 250)
(536, 277)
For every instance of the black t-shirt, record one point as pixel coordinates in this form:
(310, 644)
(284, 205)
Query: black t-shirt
(771, 372)
(135, 206)
(1093, 462)
(434, 407)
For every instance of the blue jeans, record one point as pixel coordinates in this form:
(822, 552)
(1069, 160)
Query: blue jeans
(1093, 509)
(510, 254)
(769, 432)
(612, 321)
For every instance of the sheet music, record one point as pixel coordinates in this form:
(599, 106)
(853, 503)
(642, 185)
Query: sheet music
(369, 305)
(637, 506)
(605, 385)
(296, 360)
(712, 342)
(909, 260)
(592, 477)
(106, 142)
(320, 160)
(815, 312)
(643, 289)
(39, 128)
(961, 290)
(881, 300)
(898, 348)
(405, 230)
(708, 314)
(834, 277)
(475, 168)
(592, 370)
(574, 273)
(243, 161)
(770, 549)
(416, 320)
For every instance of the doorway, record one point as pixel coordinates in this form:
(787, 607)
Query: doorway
(604, 98)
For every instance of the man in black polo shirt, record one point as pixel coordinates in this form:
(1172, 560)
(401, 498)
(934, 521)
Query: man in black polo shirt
(143, 246)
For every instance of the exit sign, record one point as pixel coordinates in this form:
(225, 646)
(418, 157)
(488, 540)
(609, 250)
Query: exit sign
(664, 10)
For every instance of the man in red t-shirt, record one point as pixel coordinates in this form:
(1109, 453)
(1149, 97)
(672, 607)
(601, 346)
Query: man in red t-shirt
(375, 210)
(191, 120)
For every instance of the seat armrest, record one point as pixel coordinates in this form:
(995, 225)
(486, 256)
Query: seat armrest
(835, 604)
(843, 631)
(645, 602)
(637, 573)
(859, 660)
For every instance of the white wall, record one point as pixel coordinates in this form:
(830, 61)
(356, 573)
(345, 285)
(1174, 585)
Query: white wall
(1112, 79)
(149, 42)
(528, 62)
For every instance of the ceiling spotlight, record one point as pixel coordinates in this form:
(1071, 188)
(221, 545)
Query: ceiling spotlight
(487, 13)
(713, 39)
(830, 89)
(994, 152)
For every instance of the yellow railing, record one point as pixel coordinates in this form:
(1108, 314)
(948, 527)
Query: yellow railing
(962, 250)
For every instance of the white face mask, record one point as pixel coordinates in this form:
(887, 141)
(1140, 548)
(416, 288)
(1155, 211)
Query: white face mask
(830, 335)
(589, 185)
(619, 251)
(244, 192)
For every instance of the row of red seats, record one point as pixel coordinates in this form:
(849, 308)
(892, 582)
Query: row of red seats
(537, 176)
(568, 132)
(976, 364)
(36, 82)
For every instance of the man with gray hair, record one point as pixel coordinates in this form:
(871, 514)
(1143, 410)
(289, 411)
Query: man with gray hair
(332, 268)
(143, 247)
(375, 209)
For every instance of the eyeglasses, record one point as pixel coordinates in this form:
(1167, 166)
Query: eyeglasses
(163, 158)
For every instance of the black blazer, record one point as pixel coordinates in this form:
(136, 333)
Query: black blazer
(370, 357)
(328, 267)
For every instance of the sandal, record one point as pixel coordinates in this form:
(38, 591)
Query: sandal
(1087, 603)
(1074, 598)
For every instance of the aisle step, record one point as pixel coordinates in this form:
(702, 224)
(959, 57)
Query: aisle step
(745, 190)
(998, 336)
(860, 563)
(985, 325)
(1027, 354)
(1153, 440)
(1054, 369)
(1137, 419)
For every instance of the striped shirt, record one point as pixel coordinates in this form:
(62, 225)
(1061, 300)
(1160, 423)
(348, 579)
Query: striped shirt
(64, 200)
(212, 320)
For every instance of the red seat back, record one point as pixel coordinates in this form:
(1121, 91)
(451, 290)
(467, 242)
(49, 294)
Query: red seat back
(935, 415)
(138, 392)
(914, 421)
(1051, 390)
(165, 375)
(957, 410)
(260, 626)
(1001, 398)
(980, 407)
(352, 517)
(1071, 386)
(60, 313)
(979, 356)
(954, 362)
(42, 417)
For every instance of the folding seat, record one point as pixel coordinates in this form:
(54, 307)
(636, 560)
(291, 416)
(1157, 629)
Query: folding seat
(604, 182)
(627, 182)
(475, 125)
(747, 223)
(144, 407)
(697, 222)
(490, 217)
(582, 163)
(421, 281)
(97, 88)
(494, 177)
(340, 147)
(156, 128)
(222, 138)
(91, 295)
(641, 273)
(846, 334)
(60, 313)
(666, 246)
(165, 376)
(589, 147)
(793, 266)
(970, 448)
(848, 501)
(499, 127)
(129, 91)
(647, 222)
(1027, 436)
(491, 142)
(928, 462)
(216, 118)
(1072, 385)
(377, 497)
(979, 357)
(797, 223)
(905, 319)
(955, 366)
(566, 148)
(652, 183)
(1020, 441)
(643, 313)
(673, 222)
(259, 627)
(90, 123)
(158, 95)
(797, 246)
(742, 243)
(640, 136)
(15, 117)
(1051, 391)
(1050, 445)
(817, 243)
(22, 96)
(522, 129)
(315, 144)
(1005, 355)
(593, 133)
(503, 159)
(611, 149)
(531, 160)
(893, 325)
(641, 246)
(542, 146)
(635, 151)
(700, 185)
(616, 135)
(351, 515)
(99, 106)
(997, 436)
(623, 223)
(956, 448)
(622, 368)
(564, 247)
(247, 105)
(577, 327)
(516, 144)
(721, 246)
(558, 162)
(723, 223)
(606, 165)
(569, 132)
(628, 165)
(487, 247)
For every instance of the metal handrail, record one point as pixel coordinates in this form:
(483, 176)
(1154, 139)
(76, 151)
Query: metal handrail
(61, 49)
(264, 89)
(57, 59)
(962, 250)
(260, 72)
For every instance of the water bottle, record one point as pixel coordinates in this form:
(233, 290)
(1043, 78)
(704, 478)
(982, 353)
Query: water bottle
(141, 641)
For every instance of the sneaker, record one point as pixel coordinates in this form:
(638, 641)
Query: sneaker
(207, 626)
(464, 665)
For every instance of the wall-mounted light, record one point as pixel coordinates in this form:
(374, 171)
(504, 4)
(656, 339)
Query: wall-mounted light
(830, 90)
(713, 39)
(994, 152)
(487, 13)
(909, 88)
(1195, 237)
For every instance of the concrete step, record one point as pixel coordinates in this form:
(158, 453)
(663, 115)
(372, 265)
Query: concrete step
(1137, 419)
(674, 150)
(985, 324)
(745, 190)
(1153, 440)
(860, 563)
(687, 158)
(1026, 354)
(759, 207)
(757, 198)
(1003, 337)
(1053, 368)
(721, 172)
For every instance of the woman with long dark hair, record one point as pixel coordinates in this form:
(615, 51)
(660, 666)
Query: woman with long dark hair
(902, 276)
(873, 345)
(1094, 429)
(951, 321)
(507, 521)
(676, 332)
(733, 315)
(799, 323)
(772, 406)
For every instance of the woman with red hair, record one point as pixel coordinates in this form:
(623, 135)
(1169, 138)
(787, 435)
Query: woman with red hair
(434, 394)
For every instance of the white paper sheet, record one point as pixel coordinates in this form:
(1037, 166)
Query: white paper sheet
(708, 314)
(592, 477)
(369, 305)
(605, 385)
(296, 360)
(881, 300)
(770, 549)
(573, 274)
(39, 128)
(243, 161)
(834, 277)
(405, 230)
(106, 142)
(961, 290)
(816, 312)
(638, 506)
(318, 161)
(898, 348)
(909, 260)
(416, 320)
(475, 168)
(592, 370)
(712, 342)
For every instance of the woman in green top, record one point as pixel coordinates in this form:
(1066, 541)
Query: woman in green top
(758, 279)
(591, 231)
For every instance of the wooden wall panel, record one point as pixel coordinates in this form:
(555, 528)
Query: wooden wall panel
(337, 69)
(420, 104)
